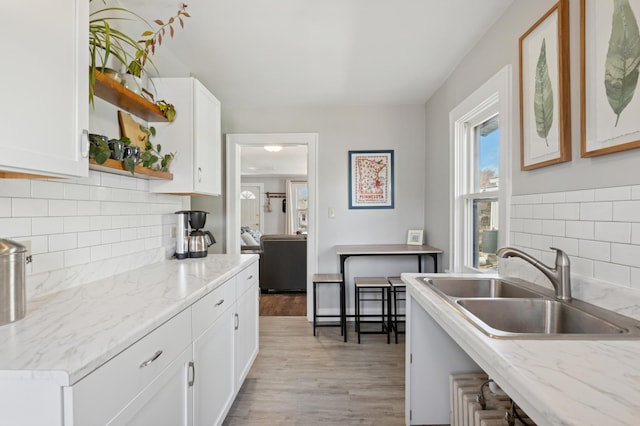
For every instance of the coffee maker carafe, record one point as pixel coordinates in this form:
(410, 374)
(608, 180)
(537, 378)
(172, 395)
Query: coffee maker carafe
(194, 243)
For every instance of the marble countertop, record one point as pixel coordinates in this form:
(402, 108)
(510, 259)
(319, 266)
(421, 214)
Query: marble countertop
(555, 382)
(76, 330)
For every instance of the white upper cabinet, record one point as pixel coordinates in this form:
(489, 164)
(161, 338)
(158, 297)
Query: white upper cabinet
(194, 136)
(45, 88)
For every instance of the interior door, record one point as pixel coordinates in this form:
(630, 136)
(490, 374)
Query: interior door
(251, 195)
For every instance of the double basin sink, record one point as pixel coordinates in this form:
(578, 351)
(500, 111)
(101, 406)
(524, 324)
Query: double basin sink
(504, 309)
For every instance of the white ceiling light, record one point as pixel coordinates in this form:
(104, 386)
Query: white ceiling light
(273, 148)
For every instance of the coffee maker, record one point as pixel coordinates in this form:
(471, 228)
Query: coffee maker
(191, 240)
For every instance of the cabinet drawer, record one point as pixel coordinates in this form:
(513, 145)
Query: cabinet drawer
(247, 278)
(206, 310)
(103, 393)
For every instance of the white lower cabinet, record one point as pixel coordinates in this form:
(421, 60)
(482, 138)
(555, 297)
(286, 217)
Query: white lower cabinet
(246, 332)
(431, 356)
(166, 401)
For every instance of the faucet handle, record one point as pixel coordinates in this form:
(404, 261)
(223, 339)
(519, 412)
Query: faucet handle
(562, 259)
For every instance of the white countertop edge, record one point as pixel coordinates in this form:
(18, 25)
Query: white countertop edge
(538, 389)
(29, 356)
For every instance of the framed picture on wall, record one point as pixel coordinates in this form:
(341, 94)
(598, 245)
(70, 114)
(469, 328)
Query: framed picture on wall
(610, 102)
(545, 110)
(371, 179)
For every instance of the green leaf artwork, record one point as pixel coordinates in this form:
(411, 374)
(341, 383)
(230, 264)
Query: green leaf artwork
(623, 58)
(543, 98)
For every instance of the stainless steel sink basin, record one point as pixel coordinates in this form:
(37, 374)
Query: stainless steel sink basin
(480, 287)
(511, 310)
(504, 317)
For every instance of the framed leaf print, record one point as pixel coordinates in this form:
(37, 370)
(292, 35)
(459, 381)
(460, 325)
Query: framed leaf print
(610, 44)
(545, 110)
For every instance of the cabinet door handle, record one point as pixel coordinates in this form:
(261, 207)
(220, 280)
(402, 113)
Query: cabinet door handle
(237, 321)
(199, 174)
(250, 277)
(151, 360)
(220, 302)
(192, 374)
(84, 143)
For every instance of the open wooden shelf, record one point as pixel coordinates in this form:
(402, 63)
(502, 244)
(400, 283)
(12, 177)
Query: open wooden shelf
(117, 167)
(115, 93)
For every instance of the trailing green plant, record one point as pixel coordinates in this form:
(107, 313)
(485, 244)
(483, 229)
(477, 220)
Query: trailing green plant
(152, 154)
(168, 110)
(154, 39)
(99, 151)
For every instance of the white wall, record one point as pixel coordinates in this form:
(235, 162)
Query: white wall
(400, 128)
(275, 220)
(587, 207)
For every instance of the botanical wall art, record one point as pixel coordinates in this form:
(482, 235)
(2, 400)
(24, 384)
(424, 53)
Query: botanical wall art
(371, 179)
(610, 43)
(545, 116)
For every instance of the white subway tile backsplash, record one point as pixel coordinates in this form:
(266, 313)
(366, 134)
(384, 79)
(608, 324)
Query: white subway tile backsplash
(584, 230)
(635, 192)
(611, 272)
(77, 224)
(580, 196)
(47, 189)
(596, 211)
(16, 188)
(77, 192)
(613, 231)
(88, 239)
(541, 242)
(521, 239)
(47, 225)
(554, 198)
(595, 250)
(626, 211)
(635, 278)
(28, 207)
(567, 211)
(553, 227)
(612, 194)
(635, 233)
(543, 211)
(74, 225)
(569, 245)
(59, 242)
(77, 257)
(582, 266)
(89, 208)
(625, 254)
(63, 208)
(524, 211)
(47, 262)
(532, 226)
(5, 207)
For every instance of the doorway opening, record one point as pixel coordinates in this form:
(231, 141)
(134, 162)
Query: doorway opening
(234, 145)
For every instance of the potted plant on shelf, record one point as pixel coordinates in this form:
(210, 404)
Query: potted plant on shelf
(106, 41)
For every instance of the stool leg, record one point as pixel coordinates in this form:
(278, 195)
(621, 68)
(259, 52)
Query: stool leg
(314, 308)
(388, 291)
(357, 293)
(395, 313)
(343, 309)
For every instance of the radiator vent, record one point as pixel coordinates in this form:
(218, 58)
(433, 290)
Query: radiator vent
(466, 410)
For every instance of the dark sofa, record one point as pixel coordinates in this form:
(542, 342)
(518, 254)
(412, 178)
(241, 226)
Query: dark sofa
(283, 262)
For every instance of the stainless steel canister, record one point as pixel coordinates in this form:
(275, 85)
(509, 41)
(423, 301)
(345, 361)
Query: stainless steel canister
(13, 258)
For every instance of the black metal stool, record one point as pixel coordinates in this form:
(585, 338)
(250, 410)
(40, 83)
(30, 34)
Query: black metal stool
(373, 286)
(330, 279)
(399, 291)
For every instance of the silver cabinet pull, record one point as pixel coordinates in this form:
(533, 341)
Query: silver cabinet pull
(237, 325)
(151, 360)
(220, 302)
(199, 174)
(192, 374)
(84, 143)
(250, 277)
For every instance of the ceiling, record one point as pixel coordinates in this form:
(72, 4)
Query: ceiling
(296, 53)
(313, 53)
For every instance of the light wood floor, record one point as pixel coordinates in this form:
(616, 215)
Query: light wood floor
(299, 379)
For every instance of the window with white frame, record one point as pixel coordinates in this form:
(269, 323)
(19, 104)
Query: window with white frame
(480, 169)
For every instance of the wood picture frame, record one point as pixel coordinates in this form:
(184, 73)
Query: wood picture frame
(610, 59)
(371, 179)
(545, 100)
